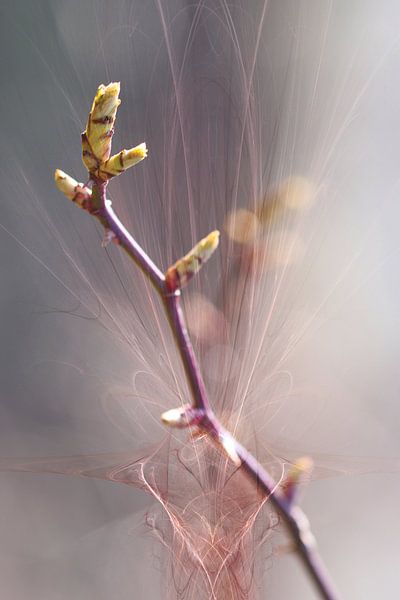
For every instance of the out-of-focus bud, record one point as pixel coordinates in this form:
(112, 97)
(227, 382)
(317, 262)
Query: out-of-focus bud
(122, 161)
(184, 416)
(205, 322)
(298, 193)
(242, 226)
(75, 191)
(299, 473)
(270, 209)
(280, 249)
(295, 194)
(183, 270)
(96, 139)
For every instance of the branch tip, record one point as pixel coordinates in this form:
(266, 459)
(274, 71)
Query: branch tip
(96, 139)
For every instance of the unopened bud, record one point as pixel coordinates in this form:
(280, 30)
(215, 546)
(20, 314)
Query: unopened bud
(122, 161)
(184, 416)
(183, 270)
(75, 191)
(242, 226)
(96, 139)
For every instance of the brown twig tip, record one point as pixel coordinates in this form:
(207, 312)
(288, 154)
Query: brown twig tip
(185, 268)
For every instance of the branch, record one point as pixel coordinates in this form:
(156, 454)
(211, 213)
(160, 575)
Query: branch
(96, 143)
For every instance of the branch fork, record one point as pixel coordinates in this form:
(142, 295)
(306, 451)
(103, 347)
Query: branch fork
(96, 150)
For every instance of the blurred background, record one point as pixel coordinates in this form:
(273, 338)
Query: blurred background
(278, 124)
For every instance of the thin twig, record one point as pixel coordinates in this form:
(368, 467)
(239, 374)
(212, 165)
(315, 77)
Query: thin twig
(293, 517)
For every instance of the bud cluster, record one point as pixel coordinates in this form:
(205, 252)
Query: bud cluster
(96, 148)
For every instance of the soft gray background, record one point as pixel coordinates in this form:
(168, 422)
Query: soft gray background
(328, 74)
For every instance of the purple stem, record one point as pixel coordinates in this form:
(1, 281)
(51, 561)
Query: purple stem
(293, 517)
(171, 303)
